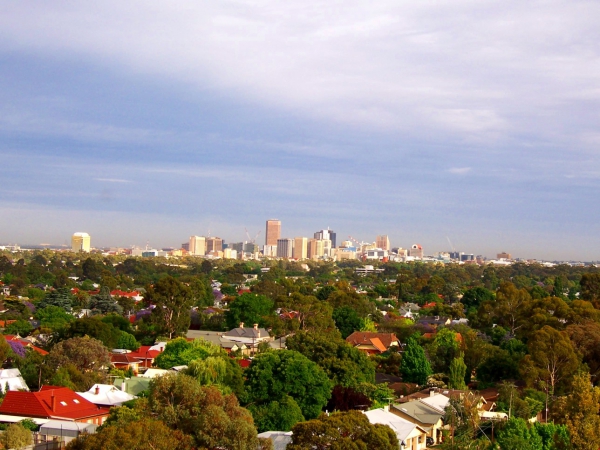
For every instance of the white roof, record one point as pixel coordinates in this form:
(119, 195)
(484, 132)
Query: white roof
(437, 401)
(403, 428)
(14, 380)
(107, 395)
(151, 373)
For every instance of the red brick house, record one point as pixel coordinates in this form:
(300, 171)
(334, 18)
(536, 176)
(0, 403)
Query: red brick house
(53, 402)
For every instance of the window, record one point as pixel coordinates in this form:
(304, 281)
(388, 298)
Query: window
(63, 403)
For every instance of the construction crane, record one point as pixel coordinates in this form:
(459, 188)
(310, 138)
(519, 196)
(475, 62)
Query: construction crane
(252, 241)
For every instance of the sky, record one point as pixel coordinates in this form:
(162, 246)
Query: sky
(450, 123)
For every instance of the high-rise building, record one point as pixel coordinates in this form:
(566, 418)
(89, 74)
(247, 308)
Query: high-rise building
(326, 234)
(300, 248)
(273, 231)
(214, 244)
(80, 242)
(383, 242)
(504, 255)
(197, 245)
(315, 248)
(285, 248)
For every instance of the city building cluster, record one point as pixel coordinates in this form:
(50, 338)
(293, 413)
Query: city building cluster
(323, 245)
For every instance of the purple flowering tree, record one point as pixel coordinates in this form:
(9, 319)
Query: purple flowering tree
(17, 348)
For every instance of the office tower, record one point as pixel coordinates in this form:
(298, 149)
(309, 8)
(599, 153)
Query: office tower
(237, 246)
(80, 242)
(326, 234)
(214, 244)
(185, 246)
(197, 245)
(273, 231)
(504, 255)
(300, 248)
(383, 242)
(315, 248)
(285, 248)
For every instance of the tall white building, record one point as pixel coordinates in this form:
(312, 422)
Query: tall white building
(197, 245)
(80, 242)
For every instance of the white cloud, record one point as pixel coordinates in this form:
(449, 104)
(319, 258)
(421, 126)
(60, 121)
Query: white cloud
(456, 68)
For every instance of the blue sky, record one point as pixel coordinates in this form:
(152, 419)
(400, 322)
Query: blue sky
(142, 122)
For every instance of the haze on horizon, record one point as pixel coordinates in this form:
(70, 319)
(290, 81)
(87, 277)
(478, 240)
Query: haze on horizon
(421, 120)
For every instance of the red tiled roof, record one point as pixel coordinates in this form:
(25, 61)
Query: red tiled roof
(119, 293)
(144, 352)
(25, 343)
(365, 337)
(378, 345)
(67, 404)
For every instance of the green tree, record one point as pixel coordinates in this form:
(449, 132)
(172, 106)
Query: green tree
(127, 341)
(343, 364)
(142, 434)
(249, 309)
(579, 412)
(85, 353)
(104, 303)
(415, 367)
(21, 327)
(180, 352)
(61, 298)
(457, 374)
(349, 430)
(279, 415)
(212, 419)
(552, 358)
(94, 327)
(53, 317)
(273, 375)
(517, 435)
(173, 302)
(590, 287)
(16, 436)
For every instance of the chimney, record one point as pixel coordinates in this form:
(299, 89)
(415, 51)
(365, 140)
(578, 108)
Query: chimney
(431, 392)
(386, 408)
(241, 324)
(97, 390)
(256, 326)
(53, 401)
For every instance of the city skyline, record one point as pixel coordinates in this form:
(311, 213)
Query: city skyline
(476, 123)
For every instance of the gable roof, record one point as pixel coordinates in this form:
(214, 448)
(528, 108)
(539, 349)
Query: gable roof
(402, 427)
(367, 337)
(106, 395)
(50, 402)
(247, 332)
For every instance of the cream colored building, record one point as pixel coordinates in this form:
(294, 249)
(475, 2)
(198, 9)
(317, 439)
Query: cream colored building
(197, 245)
(80, 242)
(300, 248)
(315, 248)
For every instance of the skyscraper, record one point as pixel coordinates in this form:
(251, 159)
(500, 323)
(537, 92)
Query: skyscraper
(80, 242)
(214, 244)
(273, 231)
(315, 248)
(285, 248)
(197, 245)
(326, 234)
(383, 242)
(300, 247)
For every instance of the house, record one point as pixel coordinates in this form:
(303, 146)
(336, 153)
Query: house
(25, 343)
(410, 435)
(11, 380)
(280, 439)
(372, 342)
(53, 402)
(250, 337)
(153, 373)
(423, 415)
(434, 321)
(106, 395)
(62, 431)
(133, 385)
(147, 353)
(124, 361)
